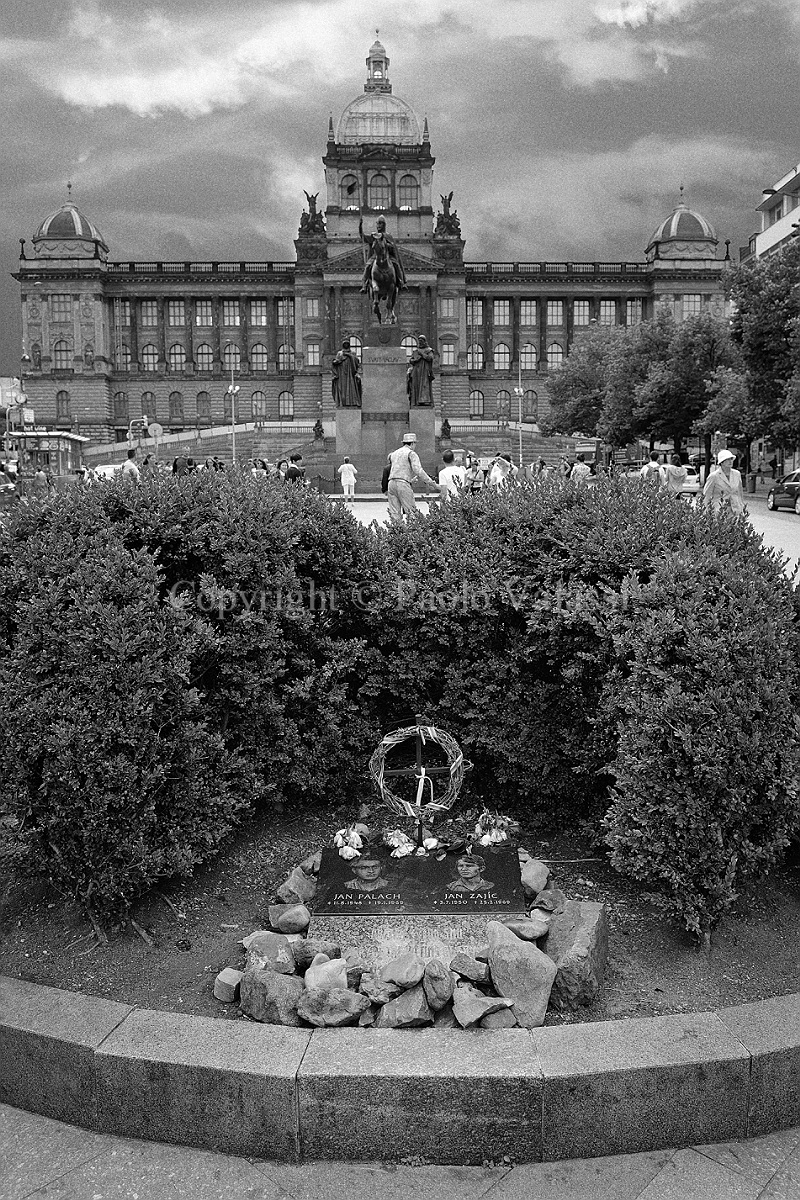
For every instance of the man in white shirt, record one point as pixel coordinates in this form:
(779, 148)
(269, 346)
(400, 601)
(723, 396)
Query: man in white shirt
(404, 469)
(581, 470)
(347, 477)
(452, 474)
(503, 471)
(130, 469)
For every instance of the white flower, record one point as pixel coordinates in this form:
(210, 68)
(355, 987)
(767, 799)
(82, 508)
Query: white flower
(355, 840)
(430, 843)
(403, 850)
(349, 852)
(421, 852)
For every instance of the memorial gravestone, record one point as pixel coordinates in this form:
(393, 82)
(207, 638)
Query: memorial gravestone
(434, 903)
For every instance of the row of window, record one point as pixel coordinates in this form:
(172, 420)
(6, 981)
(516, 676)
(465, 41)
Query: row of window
(379, 192)
(501, 356)
(259, 356)
(204, 357)
(530, 404)
(555, 311)
(175, 312)
(176, 412)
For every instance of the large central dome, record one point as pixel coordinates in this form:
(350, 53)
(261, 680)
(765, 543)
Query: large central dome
(378, 117)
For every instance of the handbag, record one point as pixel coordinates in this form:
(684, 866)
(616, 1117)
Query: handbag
(385, 477)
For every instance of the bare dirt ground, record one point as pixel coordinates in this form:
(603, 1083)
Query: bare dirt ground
(195, 926)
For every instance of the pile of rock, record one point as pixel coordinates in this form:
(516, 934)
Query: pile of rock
(555, 955)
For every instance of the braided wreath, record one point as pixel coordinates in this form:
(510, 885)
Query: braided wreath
(455, 758)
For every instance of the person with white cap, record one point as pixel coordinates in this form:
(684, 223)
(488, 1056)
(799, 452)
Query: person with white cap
(724, 485)
(404, 469)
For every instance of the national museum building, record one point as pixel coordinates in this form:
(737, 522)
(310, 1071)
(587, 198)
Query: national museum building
(109, 341)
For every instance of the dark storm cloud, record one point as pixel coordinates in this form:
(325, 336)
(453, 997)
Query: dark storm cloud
(565, 127)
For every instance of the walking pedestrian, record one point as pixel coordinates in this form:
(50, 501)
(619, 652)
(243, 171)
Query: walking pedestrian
(673, 475)
(581, 470)
(347, 477)
(452, 474)
(773, 466)
(474, 475)
(404, 469)
(651, 471)
(129, 468)
(724, 485)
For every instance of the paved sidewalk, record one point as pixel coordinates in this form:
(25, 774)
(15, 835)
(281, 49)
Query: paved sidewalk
(42, 1158)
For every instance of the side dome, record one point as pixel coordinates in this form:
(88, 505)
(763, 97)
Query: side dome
(378, 117)
(683, 234)
(67, 233)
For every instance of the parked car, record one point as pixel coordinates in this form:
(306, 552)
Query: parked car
(106, 470)
(785, 492)
(691, 484)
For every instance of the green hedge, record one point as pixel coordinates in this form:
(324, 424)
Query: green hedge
(605, 655)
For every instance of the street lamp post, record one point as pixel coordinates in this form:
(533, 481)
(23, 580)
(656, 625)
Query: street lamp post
(233, 391)
(519, 393)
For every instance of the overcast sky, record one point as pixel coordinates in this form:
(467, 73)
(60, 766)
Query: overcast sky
(564, 127)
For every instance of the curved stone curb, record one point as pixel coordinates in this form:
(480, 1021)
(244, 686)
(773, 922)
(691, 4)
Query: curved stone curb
(613, 1087)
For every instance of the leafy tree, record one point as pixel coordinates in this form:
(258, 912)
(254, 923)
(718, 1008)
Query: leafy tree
(766, 299)
(577, 391)
(630, 362)
(673, 394)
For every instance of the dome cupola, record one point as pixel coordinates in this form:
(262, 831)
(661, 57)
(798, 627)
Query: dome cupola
(67, 233)
(683, 234)
(377, 116)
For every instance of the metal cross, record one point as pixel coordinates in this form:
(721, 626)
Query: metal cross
(419, 770)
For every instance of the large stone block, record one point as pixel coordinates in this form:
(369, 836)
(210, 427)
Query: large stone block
(47, 1042)
(770, 1030)
(369, 1093)
(578, 944)
(522, 973)
(201, 1082)
(621, 1087)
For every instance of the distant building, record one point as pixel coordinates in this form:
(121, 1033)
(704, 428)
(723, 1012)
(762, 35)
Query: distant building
(779, 217)
(110, 341)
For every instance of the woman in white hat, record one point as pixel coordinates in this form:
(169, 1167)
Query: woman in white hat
(724, 485)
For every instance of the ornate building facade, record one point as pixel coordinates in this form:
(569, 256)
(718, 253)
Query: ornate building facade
(109, 341)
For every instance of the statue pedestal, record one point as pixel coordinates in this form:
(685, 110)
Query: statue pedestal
(348, 432)
(377, 428)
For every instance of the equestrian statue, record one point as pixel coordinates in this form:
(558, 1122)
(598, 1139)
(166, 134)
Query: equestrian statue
(383, 276)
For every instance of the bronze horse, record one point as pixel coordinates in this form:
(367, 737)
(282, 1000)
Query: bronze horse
(383, 283)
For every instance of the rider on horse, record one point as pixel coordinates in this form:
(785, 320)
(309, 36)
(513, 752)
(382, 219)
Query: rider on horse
(391, 249)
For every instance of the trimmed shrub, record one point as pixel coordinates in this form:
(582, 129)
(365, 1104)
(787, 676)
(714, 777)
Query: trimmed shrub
(120, 779)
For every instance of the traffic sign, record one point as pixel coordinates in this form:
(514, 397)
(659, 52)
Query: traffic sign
(155, 430)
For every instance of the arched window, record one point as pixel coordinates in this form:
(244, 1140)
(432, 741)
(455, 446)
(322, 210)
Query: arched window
(355, 343)
(476, 404)
(124, 363)
(203, 408)
(527, 357)
(348, 192)
(259, 402)
(149, 358)
(120, 408)
(408, 192)
(530, 405)
(285, 357)
(204, 357)
(502, 357)
(62, 356)
(380, 195)
(62, 406)
(258, 357)
(286, 406)
(177, 357)
(475, 357)
(555, 356)
(504, 403)
(409, 343)
(176, 408)
(149, 409)
(232, 357)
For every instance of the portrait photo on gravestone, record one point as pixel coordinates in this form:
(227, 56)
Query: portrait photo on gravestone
(456, 882)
